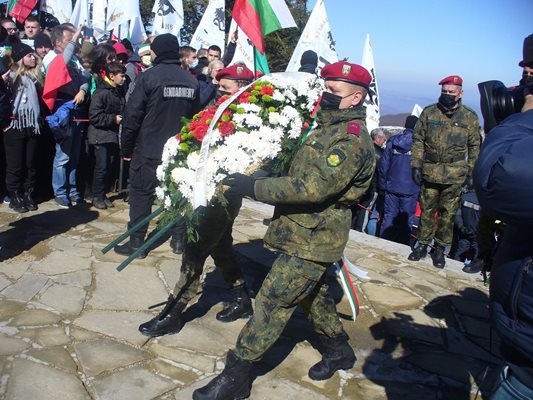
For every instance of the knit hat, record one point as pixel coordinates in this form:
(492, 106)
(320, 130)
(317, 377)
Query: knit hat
(42, 40)
(309, 57)
(144, 49)
(411, 121)
(19, 51)
(166, 46)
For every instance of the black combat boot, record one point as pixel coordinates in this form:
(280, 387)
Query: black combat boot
(474, 267)
(420, 252)
(17, 203)
(338, 354)
(232, 384)
(179, 236)
(167, 322)
(130, 247)
(28, 200)
(438, 256)
(240, 307)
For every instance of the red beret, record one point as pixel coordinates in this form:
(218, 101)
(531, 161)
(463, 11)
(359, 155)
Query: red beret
(236, 72)
(120, 48)
(346, 72)
(452, 80)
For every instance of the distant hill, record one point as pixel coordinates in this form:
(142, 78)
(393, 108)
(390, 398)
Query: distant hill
(393, 119)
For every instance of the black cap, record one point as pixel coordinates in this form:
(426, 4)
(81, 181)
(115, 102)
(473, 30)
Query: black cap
(527, 60)
(166, 46)
(19, 51)
(309, 57)
(42, 40)
(411, 121)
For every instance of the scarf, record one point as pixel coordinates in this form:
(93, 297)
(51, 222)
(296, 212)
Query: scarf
(26, 108)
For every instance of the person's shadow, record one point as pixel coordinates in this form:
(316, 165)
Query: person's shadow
(298, 329)
(426, 359)
(30, 230)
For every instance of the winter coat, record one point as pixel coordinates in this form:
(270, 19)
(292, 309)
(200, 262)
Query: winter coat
(107, 102)
(467, 215)
(395, 165)
(504, 185)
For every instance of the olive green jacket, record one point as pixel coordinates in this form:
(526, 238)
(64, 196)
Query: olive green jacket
(446, 147)
(331, 171)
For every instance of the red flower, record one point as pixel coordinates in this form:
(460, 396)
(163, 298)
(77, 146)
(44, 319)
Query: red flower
(267, 90)
(223, 99)
(226, 128)
(243, 98)
(200, 132)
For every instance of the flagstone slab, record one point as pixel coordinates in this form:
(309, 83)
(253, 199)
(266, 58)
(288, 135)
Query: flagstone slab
(14, 270)
(81, 334)
(60, 262)
(57, 356)
(131, 384)
(26, 287)
(8, 308)
(135, 288)
(50, 336)
(4, 282)
(66, 299)
(36, 317)
(268, 387)
(174, 372)
(78, 278)
(47, 383)
(69, 245)
(118, 324)
(386, 298)
(101, 355)
(107, 227)
(185, 357)
(170, 268)
(10, 345)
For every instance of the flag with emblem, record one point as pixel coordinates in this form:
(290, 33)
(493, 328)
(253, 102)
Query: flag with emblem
(212, 27)
(246, 53)
(61, 9)
(372, 98)
(20, 9)
(120, 12)
(80, 13)
(258, 18)
(99, 19)
(316, 36)
(168, 17)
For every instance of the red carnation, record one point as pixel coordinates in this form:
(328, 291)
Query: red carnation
(267, 90)
(243, 98)
(226, 128)
(200, 132)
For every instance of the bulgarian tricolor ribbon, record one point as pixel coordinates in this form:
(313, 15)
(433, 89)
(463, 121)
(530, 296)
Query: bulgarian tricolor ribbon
(343, 274)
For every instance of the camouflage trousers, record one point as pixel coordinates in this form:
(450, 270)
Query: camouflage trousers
(291, 282)
(443, 200)
(215, 240)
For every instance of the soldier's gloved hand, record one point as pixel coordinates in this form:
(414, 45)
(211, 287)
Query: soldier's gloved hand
(469, 182)
(240, 185)
(417, 175)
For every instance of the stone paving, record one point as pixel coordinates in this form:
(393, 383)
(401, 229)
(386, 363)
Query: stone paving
(68, 319)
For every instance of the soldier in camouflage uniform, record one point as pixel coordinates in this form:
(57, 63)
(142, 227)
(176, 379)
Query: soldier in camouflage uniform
(215, 240)
(310, 227)
(446, 144)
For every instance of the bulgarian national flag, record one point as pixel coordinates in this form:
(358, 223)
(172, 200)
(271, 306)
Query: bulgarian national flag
(57, 76)
(258, 18)
(20, 9)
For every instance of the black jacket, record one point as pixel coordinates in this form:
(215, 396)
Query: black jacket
(106, 103)
(5, 105)
(162, 96)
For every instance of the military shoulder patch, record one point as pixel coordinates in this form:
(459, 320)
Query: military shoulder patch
(335, 158)
(354, 128)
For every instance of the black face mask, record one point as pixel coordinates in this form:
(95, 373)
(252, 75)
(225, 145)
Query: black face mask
(447, 101)
(526, 79)
(221, 93)
(331, 101)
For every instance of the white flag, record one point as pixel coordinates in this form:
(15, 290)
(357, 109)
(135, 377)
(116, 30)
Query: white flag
(417, 110)
(244, 52)
(120, 12)
(212, 27)
(61, 9)
(137, 32)
(99, 22)
(168, 17)
(372, 98)
(317, 37)
(80, 13)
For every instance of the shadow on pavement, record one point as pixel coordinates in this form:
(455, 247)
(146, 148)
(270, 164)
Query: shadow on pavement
(423, 358)
(31, 230)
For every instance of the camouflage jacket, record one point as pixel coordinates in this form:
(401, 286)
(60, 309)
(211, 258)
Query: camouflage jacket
(331, 170)
(446, 147)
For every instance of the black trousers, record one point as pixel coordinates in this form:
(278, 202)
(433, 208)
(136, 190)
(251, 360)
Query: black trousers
(21, 161)
(143, 182)
(105, 157)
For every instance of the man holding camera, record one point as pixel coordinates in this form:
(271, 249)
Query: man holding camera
(446, 143)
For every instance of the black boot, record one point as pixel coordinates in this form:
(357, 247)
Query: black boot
(167, 322)
(17, 203)
(179, 236)
(420, 252)
(240, 307)
(28, 200)
(474, 267)
(232, 384)
(338, 354)
(438, 257)
(130, 247)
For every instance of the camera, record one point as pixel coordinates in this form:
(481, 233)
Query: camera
(499, 101)
(88, 32)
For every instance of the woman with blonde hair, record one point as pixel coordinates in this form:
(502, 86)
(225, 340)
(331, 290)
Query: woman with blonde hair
(20, 137)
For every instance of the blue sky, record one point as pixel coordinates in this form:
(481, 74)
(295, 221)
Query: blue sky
(418, 42)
